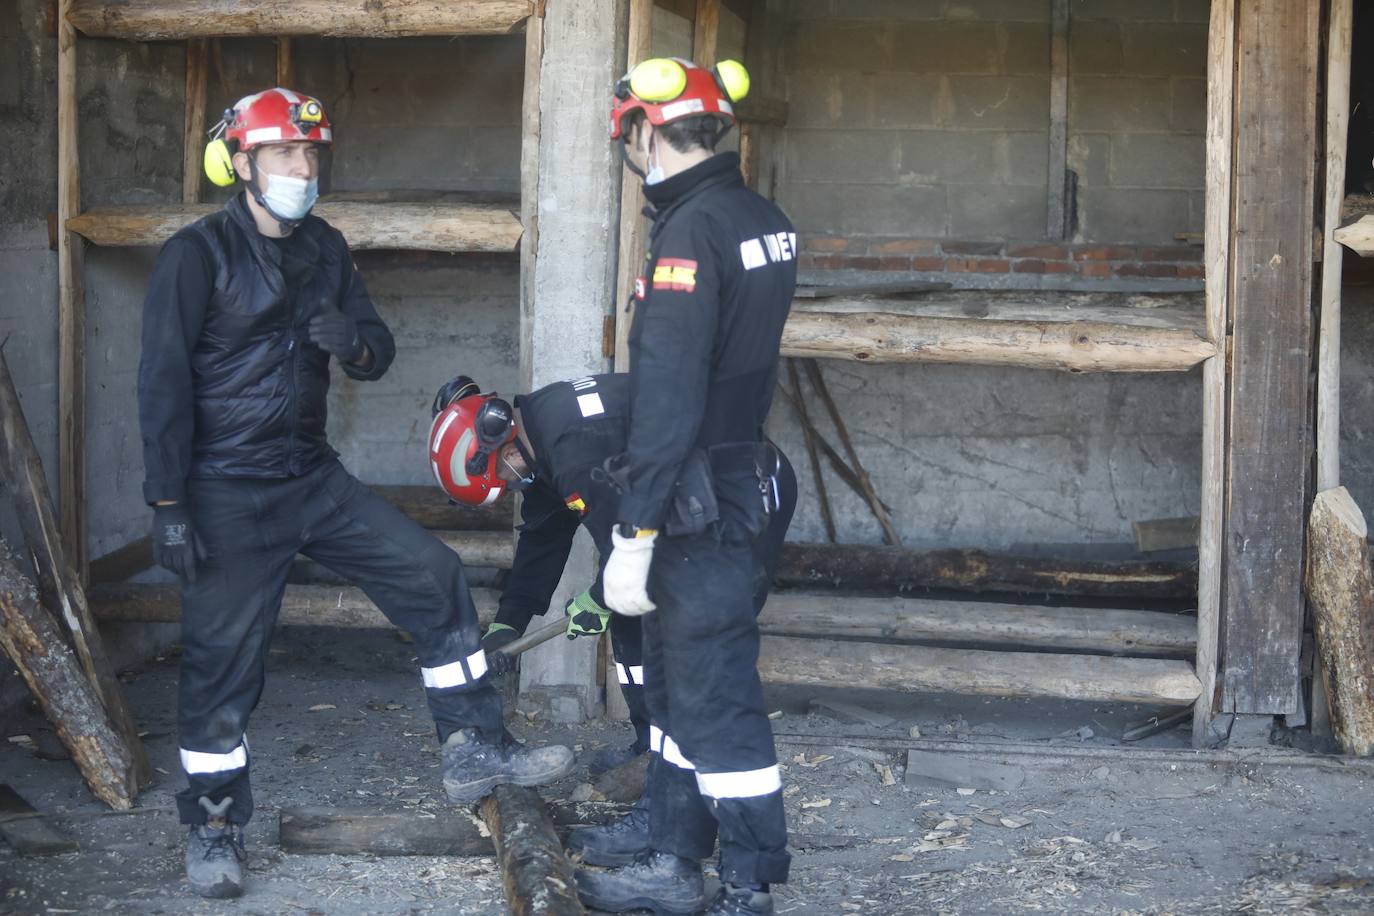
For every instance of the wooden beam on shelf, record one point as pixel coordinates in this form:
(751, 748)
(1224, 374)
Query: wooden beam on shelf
(71, 307)
(634, 228)
(366, 225)
(153, 20)
(193, 131)
(918, 669)
(431, 509)
(1358, 236)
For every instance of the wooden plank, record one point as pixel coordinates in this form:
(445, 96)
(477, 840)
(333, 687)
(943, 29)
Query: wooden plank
(1358, 236)
(429, 507)
(1341, 586)
(320, 830)
(918, 669)
(705, 29)
(153, 20)
(1268, 425)
(34, 644)
(1057, 226)
(535, 872)
(856, 566)
(193, 131)
(761, 111)
(124, 562)
(868, 290)
(286, 77)
(27, 832)
(1217, 254)
(1166, 533)
(930, 768)
(634, 228)
(59, 585)
(366, 225)
(1338, 50)
(71, 307)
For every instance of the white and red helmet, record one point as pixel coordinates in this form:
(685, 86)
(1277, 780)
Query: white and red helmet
(465, 441)
(668, 89)
(276, 116)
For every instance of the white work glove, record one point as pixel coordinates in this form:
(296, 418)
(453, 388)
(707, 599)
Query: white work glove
(625, 581)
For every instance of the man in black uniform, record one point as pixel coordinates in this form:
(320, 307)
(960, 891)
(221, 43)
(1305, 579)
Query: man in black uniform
(565, 432)
(243, 312)
(721, 273)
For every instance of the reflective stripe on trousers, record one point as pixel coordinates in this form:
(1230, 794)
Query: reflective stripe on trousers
(455, 674)
(207, 762)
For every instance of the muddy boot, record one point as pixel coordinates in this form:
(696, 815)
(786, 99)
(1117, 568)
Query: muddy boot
(741, 901)
(608, 758)
(617, 843)
(473, 766)
(214, 853)
(656, 881)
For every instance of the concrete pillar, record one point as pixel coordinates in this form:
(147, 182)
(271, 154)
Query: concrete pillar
(568, 286)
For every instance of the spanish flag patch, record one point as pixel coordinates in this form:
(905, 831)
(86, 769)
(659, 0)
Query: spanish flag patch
(575, 503)
(675, 274)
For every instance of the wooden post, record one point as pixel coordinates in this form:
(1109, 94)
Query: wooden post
(286, 77)
(809, 436)
(1268, 425)
(634, 229)
(1221, 58)
(535, 872)
(705, 30)
(1058, 223)
(197, 79)
(58, 583)
(71, 306)
(33, 642)
(1341, 586)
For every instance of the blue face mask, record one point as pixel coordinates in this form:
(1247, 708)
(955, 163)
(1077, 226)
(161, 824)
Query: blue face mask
(290, 198)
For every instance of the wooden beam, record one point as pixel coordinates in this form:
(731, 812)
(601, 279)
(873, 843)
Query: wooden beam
(917, 669)
(1058, 182)
(1268, 422)
(705, 30)
(1341, 586)
(286, 76)
(366, 225)
(767, 111)
(1338, 51)
(193, 131)
(372, 832)
(123, 562)
(431, 509)
(59, 585)
(71, 307)
(535, 872)
(33, 642)
(1221, 63)
(26, 831)
(154, 20)
(1358, 236)
(634, 228)
(855, 566)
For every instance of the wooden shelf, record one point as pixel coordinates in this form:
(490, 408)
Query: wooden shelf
(150, 20)
(429, 226)
(1075, 332)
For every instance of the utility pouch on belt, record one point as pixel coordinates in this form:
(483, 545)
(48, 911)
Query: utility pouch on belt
(693, 508)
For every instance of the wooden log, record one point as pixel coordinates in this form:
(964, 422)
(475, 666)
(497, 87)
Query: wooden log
(193, 131)
(1358, 236)
(1084, 346)
(124, 562)
(1341, 586)
(535, 872)
(625, 783)
(380, 832)
(431, 509)
(855, 566)
(302, 605)
(918, 669)
(494, 549)
(634, 228)
(1166, 534)
(32, 641)
(153, 20)
(59, 583)
(443, 226)
(919, 620)
(27, 832)
(71, 306)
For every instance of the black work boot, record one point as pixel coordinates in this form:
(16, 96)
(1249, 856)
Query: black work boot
(617, 843)
(657, 881)
(741, 901)
(474, 766)
(214, 853)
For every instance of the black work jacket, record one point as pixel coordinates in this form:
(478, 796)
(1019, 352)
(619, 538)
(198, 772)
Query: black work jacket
(718, 284)
(228, 384)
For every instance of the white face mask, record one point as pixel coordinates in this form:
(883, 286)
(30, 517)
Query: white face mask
(655, 173)
(290, 198)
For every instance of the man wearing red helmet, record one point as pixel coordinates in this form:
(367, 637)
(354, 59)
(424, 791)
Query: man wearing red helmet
(244, 309)
(707, 324)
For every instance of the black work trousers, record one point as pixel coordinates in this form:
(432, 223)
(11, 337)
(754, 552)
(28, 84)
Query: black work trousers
(627, 646)
(252, 530)
(716, 767)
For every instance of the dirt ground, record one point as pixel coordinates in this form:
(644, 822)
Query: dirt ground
(1090, 829)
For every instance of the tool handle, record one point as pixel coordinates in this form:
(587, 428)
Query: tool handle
(537, 638)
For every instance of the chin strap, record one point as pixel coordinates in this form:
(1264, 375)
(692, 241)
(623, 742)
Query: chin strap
(629, 163)
(287, 225)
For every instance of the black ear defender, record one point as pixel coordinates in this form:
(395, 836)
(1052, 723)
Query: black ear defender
(492, 425)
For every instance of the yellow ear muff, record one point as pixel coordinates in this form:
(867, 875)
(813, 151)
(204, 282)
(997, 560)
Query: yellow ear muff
(658, 79)
(734, 79)
(219, 164)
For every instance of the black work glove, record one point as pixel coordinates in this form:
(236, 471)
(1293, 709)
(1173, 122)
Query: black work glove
(176, 546)
(499, 635)
(334, 332)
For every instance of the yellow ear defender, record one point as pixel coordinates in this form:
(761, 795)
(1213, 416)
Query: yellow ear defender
(658, 79)
(219, 164)
(733, 78)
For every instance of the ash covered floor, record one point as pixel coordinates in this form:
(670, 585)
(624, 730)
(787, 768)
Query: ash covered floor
(1089, 830)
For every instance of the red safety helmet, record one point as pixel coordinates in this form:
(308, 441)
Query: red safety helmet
(465, 441)
(668, 89)
(276, 116)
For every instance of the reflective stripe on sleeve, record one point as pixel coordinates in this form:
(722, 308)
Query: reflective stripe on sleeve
(743, 784)
(667, 748)
(453, 675)
(206, 762)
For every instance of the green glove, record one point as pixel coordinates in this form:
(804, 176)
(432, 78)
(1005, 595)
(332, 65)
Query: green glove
(585, 616)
